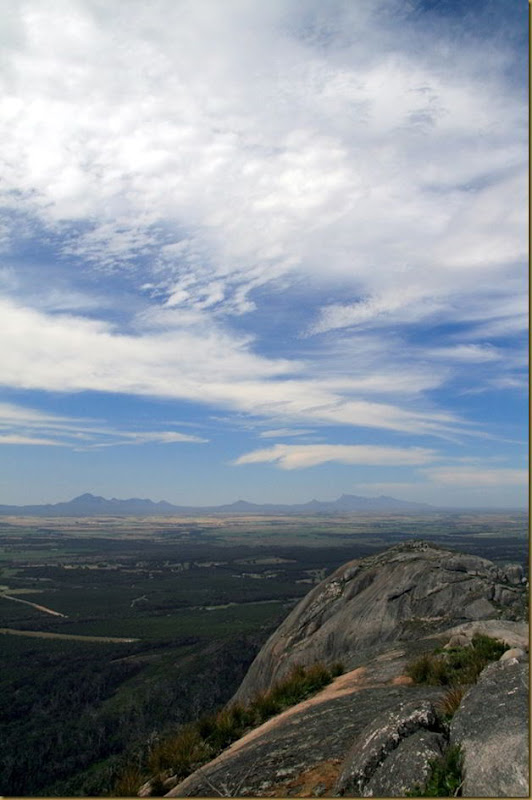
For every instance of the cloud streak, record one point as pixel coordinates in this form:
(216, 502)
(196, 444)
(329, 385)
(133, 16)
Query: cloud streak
(27, 426)
(298, 456)
(460, 476)
(73, 354)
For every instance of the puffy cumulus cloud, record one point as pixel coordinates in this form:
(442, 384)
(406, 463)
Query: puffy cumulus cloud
(462, 476)
(239, 143)
(287, 456)
(29, 426)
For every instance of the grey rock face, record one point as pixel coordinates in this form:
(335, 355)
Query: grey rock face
(514, 573)
(408, 766)
(513, 653)
(491, 726)
(406, 592)
(300, 753)
(367, 765)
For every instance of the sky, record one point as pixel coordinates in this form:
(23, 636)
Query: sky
(273, 251)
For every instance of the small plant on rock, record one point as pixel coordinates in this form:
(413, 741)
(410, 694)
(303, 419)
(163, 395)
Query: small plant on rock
(449, 703)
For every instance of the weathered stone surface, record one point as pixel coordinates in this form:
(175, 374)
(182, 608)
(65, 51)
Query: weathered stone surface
(145, 789)
(491, 726)
(514, 573)
(479, 609)
(301, 750)
(514, 634)
(371, 749)
(408, 766)
(513, 653)
(458, 640)
(405, 592)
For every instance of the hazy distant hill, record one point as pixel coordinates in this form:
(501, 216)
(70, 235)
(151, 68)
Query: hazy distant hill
(88, 505)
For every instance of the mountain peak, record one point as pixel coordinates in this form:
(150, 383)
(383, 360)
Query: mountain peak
(87, 497)
(88, 504)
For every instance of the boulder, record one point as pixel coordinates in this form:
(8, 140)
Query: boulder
(514, 573)
(491, 726)
(513, 653)
(408, 767)
(381, 749)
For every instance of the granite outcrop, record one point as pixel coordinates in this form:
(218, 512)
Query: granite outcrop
(373, 732)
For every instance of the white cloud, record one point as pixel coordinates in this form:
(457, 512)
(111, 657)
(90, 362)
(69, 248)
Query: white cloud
(298, 456)
(34, 440)
(277, 433)
(146, 437)
(70, 354)
(233, 149)
(467, 353)
(520, 383)
(76, 433)
(470, 476)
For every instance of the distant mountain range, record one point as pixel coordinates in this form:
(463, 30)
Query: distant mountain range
(89, 505)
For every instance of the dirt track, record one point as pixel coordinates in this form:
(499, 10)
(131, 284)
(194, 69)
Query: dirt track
(75, 637)
(34, 605)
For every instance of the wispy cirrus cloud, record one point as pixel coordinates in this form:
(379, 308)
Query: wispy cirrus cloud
(17, 439)
(281, 432)
(20, 425)
(463, 476)
(71, 354)
(298, 456)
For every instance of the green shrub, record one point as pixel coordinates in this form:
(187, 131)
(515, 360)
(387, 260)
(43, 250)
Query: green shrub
(456, 666)
(487, 647)
(299, 684)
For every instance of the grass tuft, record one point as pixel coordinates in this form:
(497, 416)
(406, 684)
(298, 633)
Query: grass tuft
(449, 703)
(178, 753)
(128, 782)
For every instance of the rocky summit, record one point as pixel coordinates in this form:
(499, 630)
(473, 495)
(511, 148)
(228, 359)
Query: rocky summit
(373, 731)
(403, 593)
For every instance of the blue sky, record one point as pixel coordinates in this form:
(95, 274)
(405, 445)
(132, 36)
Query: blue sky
(273, 251)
